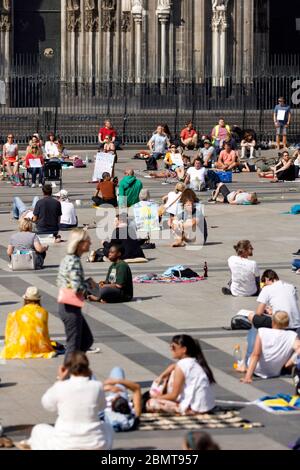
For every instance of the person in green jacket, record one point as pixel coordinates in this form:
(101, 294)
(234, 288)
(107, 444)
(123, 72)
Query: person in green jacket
(130, 188)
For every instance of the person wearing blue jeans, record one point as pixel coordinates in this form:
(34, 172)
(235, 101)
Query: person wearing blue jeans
(19, 208)
(120, 413)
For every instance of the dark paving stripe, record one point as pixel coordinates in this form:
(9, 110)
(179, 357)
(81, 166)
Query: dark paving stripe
(132, 316)
(112, 338)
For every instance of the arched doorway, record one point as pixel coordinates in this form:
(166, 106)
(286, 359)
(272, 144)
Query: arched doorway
(36, 52)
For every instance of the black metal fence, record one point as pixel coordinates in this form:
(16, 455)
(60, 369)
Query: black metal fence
(39, 102)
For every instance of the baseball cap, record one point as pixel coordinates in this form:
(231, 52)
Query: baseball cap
(63, 194)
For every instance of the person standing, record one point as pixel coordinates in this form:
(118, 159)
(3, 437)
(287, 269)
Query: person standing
(282, 120)
(71, 276)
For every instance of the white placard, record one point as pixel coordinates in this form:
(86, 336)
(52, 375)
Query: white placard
(177, 159)
(104, 164)
(281, 115)
(35, 163)
(2, 92)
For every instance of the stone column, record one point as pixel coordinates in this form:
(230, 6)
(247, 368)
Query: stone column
(125, 28)
(91, 26)
(73, 28)
(63, 40)
(219, 28)
(137, 13)
(248, 40)
(108, 27)
(199, 40)
(5, 46)
(163, 13)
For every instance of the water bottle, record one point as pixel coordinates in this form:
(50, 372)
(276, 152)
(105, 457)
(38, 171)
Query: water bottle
(205, 270)
(238, 358)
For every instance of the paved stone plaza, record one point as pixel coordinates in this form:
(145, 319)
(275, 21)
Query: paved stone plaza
(136, 335)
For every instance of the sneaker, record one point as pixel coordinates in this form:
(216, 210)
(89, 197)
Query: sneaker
(33, 185)
(226, 291)
(10, 266)
(40, 185)
(94, 351)
(296, 380)
(297, 254)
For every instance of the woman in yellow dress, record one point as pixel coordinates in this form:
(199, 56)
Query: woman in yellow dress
(26, 332)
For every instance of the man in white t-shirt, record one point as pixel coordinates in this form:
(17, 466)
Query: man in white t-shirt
(245, 275)
(276, 296)
(273, 350)
(196, 176)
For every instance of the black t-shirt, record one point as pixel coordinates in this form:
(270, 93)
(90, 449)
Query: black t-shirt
(48, 211)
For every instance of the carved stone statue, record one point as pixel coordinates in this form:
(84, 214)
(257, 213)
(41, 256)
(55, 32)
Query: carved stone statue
(163, 8)
(73, 16)
(126, 22)
(91, 20)
(219, 5)
(90, 5)
(73, 5)
(109, 15)
(5, 16)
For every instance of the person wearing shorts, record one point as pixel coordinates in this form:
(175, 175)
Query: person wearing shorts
(282, 121)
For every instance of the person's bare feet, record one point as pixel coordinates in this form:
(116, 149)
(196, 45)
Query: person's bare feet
(23, 445)
(92, 298)
(241, 369)
(178, 245)
(6, 443)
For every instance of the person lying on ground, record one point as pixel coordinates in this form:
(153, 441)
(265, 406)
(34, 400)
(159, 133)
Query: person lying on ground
(179, 172)
(187, 385)
(118, 286)
(235, 198)
(121, 412)
(273, 350)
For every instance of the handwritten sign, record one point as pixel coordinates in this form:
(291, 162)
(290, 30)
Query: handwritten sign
(105, 163)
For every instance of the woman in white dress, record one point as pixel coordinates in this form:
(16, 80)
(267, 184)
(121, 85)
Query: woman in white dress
(78, 400)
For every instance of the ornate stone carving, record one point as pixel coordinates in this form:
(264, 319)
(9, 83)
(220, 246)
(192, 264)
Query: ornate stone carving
(109, 15)
(5, 16)
(163, 10)
(219, 19)
(73, 16)
(126, 22)
(91, 18)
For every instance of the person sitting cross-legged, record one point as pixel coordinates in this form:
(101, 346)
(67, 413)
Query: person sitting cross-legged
(228, 159)
(118, 286)
(273, 350)
(106, 192)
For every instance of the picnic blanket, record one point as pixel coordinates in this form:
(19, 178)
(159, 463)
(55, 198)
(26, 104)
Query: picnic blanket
(280, 404)
(217, 420)
(144, 279)
(170, 276)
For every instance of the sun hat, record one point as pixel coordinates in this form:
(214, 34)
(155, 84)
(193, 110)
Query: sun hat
(32, 293)
(63, 194)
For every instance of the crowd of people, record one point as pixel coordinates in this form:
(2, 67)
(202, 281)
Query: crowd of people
(88, 411)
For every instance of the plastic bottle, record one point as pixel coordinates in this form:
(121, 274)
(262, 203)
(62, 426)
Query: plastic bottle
(205, 270)
(238, 358)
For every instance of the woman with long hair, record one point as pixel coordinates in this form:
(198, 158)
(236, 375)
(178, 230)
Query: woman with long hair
(185, 223)
(187, 385)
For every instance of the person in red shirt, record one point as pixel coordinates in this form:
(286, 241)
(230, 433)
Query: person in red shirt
(189, 137)
(107, 131)
(34, 163)
(228, 159)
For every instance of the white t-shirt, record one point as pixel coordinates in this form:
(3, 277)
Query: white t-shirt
(281, 296)
(243, 274)
(240, 199)
(198, 394)
(68, 213)
(277, 349)
(197, 177)
(51, 149)
(173, 198)
(160, 143)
